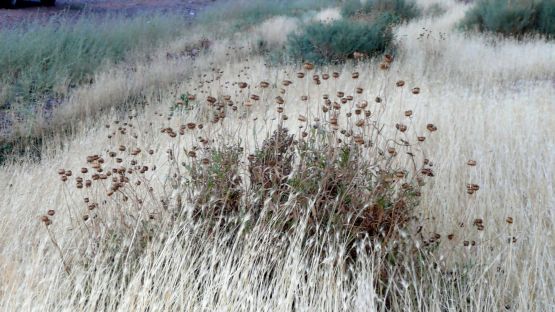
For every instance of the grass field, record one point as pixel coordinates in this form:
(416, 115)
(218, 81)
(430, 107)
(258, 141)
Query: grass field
(176, 217)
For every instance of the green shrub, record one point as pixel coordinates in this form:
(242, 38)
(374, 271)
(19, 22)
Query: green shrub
(513, 17)
(336, 42)
(402, 9)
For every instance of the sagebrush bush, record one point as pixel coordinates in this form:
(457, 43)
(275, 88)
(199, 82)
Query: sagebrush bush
(401, 9)
(337, 41)
(513, 17)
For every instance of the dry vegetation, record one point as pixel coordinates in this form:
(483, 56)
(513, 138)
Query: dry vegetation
(418, 182)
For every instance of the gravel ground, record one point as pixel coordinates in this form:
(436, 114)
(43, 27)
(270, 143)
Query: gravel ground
(32, 10)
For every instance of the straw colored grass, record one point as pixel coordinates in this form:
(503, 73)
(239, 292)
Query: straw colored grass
(491, 103)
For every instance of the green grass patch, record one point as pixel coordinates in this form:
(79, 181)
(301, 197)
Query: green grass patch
(512, 17)
(45, 60)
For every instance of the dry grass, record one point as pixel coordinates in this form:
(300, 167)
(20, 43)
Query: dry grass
(495, 248)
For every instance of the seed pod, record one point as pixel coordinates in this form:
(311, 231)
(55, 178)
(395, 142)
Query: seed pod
(408, 113)
(308, 66)
(243, 85)
(421, 139)
(46, 220)
(255, 97)
(211, 99)
(362, 104)
(286, 82)
(471, 163)
(325, 76)
(378, 99)
(51, 212)
(340, 94)
(335, 75)
(264, 84)
(388, 58)
(401, 127)
(509, 220)
(359, 90)
(304, 98)
(300, 75)
(279, 100)
(121, 148)
(61, 171)
(302, 118)
(384, 66)
(415, 90)
(360, 123)
(431, 127)
(400, 83)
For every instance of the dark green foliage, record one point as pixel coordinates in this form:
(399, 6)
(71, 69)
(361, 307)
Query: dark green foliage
(335, 42)
(402, 9)
(546, 17)
(513, 17)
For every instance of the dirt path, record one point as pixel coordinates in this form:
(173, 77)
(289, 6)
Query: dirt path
(32, 10)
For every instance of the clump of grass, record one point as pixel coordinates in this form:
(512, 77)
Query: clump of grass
(338, 41)
(512, 18)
